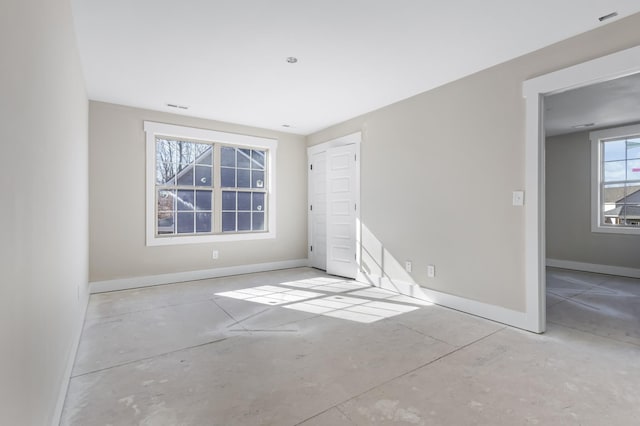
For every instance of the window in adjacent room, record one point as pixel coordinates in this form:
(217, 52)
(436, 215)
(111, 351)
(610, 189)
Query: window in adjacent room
(205, 186)
(616, 180)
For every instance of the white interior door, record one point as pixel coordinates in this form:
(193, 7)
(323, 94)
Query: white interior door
(318, 210)
(341, 211)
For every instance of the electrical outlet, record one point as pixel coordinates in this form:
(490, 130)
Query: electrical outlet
(407, 266)
(215, 255)
(431, 271)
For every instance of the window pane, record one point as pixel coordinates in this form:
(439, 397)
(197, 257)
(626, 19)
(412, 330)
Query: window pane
(203, 175)
(165, 151)
(258, 221)
(228, 177)
(185, 177)
(165, 173)
(244, 201)
(244, 221)
(200, 149)
(244, 158)
(185, 199)
(186, 152)
(228, 156)
(633, 170)
(203, 200)
(612, 215)
(228, 200)
(166, 200)
(613, 193)
(206, 158)
(615, 171)
(633, 194)
(258, 159)
(203, 222)
(244, 180)
(633, 148)
(614, 150)
(257, 179)
(258, 201)
(228, 222)
(185, 223)
(631, 214)
(166, 223)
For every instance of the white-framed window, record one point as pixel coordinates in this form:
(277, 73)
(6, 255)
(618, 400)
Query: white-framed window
(208, 186)
(615, 179)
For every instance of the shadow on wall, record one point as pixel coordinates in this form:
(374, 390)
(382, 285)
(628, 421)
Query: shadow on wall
(380, 269)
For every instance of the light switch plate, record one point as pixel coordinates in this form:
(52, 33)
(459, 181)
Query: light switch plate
(518, 198)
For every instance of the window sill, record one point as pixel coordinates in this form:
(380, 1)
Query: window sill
(599, 229)
(202, 239)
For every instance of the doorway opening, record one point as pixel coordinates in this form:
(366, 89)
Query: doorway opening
(600, 70)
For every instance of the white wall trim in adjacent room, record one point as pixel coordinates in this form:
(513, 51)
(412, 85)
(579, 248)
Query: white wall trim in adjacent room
(66, 378)
(176, 277)
(491, 312)
(594, 267)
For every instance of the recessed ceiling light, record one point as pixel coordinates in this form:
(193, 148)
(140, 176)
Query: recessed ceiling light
(286, 125)
(292, 59)
(582, 126)
(177, 106)
(609, 16)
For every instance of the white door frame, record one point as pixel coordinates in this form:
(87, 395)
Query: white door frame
(352, 139)
(606, 68)
(317, 177)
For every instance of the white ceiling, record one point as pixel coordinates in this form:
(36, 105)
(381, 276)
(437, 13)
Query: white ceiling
(226, 59)
(607, 104)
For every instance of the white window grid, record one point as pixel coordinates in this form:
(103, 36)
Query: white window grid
(217, 140)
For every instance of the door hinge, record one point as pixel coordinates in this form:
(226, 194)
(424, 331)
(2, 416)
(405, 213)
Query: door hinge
(355, 157)
(355, 207)
(311, 207)
(310, 166)
(310, 248)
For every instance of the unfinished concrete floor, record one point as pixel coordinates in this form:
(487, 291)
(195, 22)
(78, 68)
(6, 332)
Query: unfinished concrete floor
(263, 352)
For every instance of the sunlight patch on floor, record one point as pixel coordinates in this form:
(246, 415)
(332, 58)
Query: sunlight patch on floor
(359, 309)
(352, 308)
(270, 295)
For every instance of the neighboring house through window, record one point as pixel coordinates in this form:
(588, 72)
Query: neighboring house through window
(616, 180)
(208, 186)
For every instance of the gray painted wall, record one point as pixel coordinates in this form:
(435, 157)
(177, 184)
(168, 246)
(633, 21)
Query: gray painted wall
(438, 170)
(117, 200)
(568, 208)
(44, 214)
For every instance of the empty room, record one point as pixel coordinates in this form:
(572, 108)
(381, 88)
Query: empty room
(251, 212)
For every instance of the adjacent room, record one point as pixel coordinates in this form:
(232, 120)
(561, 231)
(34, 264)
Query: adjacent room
(592, 189)
(320, 213)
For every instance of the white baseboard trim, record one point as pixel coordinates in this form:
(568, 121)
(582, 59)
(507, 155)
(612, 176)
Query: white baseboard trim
(594, 267)
(492, 312)
(176, 277)
(77, 333)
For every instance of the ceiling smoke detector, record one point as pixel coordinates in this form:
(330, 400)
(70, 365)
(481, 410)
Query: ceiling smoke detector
(292, 59)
